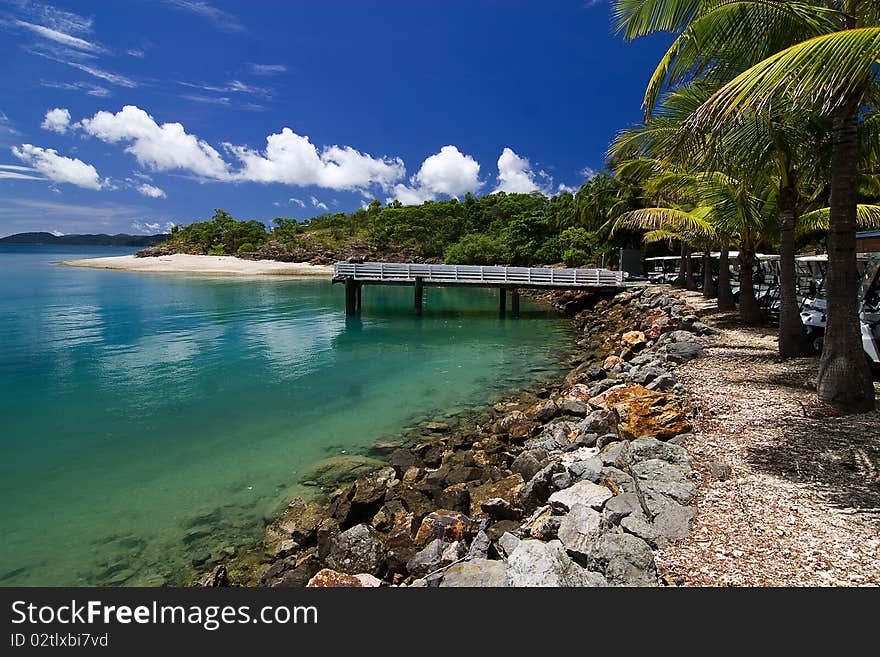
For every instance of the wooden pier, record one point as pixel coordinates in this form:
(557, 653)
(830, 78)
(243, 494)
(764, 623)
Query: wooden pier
(513, 279)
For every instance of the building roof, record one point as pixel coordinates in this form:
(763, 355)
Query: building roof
(867, 233)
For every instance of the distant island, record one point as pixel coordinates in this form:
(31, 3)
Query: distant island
(92, 240)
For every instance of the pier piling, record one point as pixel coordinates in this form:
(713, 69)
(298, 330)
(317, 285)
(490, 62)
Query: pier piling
(502, 302)
(514, 303)
(352, 297)
(417, 304)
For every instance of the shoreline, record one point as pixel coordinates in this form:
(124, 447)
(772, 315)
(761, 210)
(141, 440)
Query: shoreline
(474, 490)
(181, 263)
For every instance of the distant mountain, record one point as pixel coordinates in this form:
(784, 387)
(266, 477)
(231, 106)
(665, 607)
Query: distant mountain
(91, 240)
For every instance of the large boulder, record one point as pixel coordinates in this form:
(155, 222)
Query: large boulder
(357, 550)
(579, 529)
(300, 520)
(475, 573)
(434, 556)
(681, 352)
(624, 559)
(328, 578)
(448, 526)
(529, 462)
(536, 563)
(644, 412)
(648, 447)
(506, 489)
(585, 493)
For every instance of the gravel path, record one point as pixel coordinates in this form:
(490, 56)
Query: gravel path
(801, 504)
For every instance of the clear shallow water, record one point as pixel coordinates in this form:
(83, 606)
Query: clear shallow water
(136, 407)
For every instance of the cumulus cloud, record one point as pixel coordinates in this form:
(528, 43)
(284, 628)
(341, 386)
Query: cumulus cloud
(151, 190)
(158, 147)
(297, 201)
(316, 203)
(56, 120)
(58, 168)
(589, 173)
(292, 159)
(449, 172)
(515, 174)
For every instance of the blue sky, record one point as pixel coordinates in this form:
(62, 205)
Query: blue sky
(128, 116)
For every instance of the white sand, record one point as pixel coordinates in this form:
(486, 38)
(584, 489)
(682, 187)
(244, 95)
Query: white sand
(196, 264)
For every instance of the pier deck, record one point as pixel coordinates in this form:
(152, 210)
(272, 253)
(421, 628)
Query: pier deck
(356, 275)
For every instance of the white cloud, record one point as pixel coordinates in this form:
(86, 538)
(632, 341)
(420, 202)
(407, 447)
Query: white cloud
(136, 52)
(57, 233)
(220, 19)
(448, 172)
(90, 89)
(589, 173)
(151, 190)
(157, 147)
(316, 203)
(562, 188)
(292, 159)
(233, 86)
(267, 69)
(297, 201)
(112, 78)
(60, 37)
(6, 125)
(211, 100)
(16, 172)
(57, 120)
(58, 168)
(515, 174)
(145, 228)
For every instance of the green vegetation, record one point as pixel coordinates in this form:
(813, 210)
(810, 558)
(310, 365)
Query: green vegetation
(761, 131)
(759, 115)
(512, 229)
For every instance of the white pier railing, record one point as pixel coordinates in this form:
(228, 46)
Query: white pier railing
(405, 273)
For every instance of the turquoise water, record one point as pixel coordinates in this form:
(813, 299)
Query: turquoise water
(136, 407)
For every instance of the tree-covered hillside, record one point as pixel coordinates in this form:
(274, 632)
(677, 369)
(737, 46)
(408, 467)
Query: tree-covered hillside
(514, 229)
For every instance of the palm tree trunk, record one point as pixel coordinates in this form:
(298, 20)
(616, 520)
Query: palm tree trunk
(682, 267)
(708, 287)
(791, 328)
(749, 311)
(725, 294)
(689, 272)
(844, 377)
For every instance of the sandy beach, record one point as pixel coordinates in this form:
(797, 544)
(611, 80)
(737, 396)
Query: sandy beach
(196, 264)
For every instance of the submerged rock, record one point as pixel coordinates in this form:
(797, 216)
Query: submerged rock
(332, 471)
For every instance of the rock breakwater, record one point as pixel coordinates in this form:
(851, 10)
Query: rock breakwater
(570, 485)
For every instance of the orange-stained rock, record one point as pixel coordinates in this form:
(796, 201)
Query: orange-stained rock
(611, 361)
(633, 338)
(644, 412)
(328, 578)
(579, 392)
(507, 489)
(449, 526)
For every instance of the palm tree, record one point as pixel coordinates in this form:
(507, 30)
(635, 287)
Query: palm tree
(816, 56)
